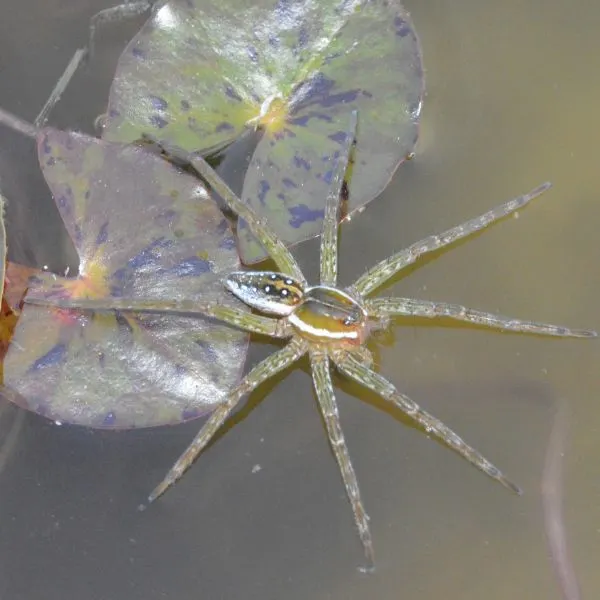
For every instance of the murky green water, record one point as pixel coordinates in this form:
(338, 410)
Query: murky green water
(512, 101)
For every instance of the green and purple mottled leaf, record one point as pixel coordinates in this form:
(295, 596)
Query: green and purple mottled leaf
(202, 71)
(143, 229)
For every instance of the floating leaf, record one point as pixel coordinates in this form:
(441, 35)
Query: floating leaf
(141, 228)
(201, 71)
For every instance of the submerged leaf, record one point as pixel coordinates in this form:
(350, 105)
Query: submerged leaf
(142, 229)
(202, 71)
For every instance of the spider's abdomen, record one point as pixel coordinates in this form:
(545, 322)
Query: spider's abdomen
(329, 315)
(267, 291)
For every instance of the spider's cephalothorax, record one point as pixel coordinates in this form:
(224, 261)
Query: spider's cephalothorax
(319, 314)
(329, 324)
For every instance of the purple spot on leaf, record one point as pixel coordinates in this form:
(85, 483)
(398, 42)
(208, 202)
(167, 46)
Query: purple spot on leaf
(165, 218)
(189, 413)
(263, 188)
(331, 57)
(158, 103)
(402, 27)
(339, 137)
(223, 126)
(53, 357)
(47, 148)
(137, 52)
(102, 234)
(231, 93)
(303, 214)
(228, 243)
(149, 256)
(301, 163)
(318, 90)
(289, 183)
(158, 122)
(185, 105)
(211, 355)
(253, 54)
(303, 37)
(78, 234)
(222, 226)
(190, 267)
(283, 10)
(109, 419)
(303, 121)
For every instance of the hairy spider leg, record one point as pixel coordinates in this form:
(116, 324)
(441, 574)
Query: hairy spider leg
(325, 395)
(329, 236)
(228, 314)
(354, 369)
(276, 249)
(376, 276)
(383, 308)
(276, 362)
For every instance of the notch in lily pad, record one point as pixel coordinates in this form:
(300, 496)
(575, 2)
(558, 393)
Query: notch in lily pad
(201, 73)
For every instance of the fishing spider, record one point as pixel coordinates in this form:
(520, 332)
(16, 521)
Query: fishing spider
(330, 324)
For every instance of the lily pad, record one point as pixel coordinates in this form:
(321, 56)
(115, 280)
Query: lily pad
(201, 72)
(142, 228)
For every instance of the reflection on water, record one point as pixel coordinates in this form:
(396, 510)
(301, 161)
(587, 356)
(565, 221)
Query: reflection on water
(512, 101)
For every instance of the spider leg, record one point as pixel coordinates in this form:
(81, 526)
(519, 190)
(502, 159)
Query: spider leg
(381, 272)
(329, 239)
(351, 367)
(61, 85)
(259, 227)
(322, 381)
(264, 370)
(393, 307)
(17, 124)
(231, 315)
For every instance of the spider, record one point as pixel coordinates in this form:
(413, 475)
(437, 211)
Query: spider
(329, 323)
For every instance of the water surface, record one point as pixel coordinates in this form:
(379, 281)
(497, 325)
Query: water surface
(512, 101)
